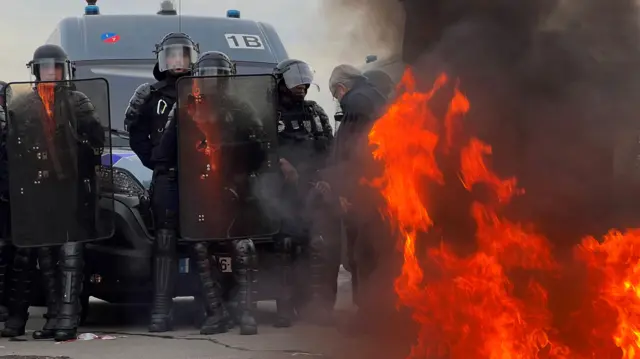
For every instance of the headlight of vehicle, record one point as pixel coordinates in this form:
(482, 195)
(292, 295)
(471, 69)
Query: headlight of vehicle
(122, 182)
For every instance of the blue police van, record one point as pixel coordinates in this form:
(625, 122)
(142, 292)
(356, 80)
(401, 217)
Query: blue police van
(119, 48)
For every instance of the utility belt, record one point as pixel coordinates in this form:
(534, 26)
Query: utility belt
(163, 170)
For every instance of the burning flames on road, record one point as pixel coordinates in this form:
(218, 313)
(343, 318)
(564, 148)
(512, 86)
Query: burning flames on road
(494, 303)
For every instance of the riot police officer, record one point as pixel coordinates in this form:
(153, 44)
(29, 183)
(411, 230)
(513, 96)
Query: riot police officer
(78, 130)
(4, 207)
(214, 97)
(145, 119)
(304, 135)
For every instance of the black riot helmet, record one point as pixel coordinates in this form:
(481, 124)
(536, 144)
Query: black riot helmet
(213, 63)
(176, 53)
(50, 63)
(294, 73)
(294, 78)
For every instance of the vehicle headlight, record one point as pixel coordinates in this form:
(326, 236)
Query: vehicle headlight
(120, 181)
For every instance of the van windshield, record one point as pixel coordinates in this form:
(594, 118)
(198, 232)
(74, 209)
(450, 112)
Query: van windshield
(124, 76)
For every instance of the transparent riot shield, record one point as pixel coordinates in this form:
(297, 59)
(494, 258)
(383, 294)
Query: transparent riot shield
(227, 163)
(56, 145)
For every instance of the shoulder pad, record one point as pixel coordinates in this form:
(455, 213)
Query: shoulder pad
(136, 102)
(144, 90)
(81, 99)
(158, 85)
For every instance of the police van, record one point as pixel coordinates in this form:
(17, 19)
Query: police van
(120, 48)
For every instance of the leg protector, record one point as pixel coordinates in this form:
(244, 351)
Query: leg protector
(164, 277)
(216, 321)
(48, 267)
(20, 294)
(318, 310)
(285, 253)
(5, 247)
(245, 275)
(317, 266)
(71, 275)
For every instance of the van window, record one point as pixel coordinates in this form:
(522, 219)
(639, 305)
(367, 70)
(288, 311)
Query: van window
(125, 76)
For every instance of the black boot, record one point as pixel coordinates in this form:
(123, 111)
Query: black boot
(244, 271)
(319, 309)
(5, 246)
(216, 321)
(284, 302)
(20, 293)
(71, 279)
(48, 267)
(164, 274)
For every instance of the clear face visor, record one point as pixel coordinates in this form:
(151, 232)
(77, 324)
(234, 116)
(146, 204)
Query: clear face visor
(177, 57)
(212, 71)
(51, 70)
(298, 74)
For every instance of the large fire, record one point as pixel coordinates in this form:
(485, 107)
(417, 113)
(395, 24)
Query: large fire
(493, 304)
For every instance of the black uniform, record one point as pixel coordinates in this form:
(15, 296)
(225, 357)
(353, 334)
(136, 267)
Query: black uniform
(361, 106)
(145, 119)
(73, 139)
(238, 122)
(5, 246)
(304, 135)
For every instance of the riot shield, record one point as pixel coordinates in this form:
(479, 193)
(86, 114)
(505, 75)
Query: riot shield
(56, 145)
(227, 163)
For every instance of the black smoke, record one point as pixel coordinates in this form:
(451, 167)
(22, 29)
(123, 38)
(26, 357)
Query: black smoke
(553, 87)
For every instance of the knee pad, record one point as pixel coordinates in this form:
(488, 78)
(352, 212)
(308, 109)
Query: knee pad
(201, 249)
(23, 257)
(244, 247)
(166, 241)
(317, 243)
(71, 249)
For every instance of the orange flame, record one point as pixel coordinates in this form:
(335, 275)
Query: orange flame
(46, 91)
(206, 126)
(472, 308)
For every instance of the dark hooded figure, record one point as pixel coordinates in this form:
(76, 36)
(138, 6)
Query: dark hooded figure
(381, 80)
(56, 140)
(145, 119)
(362, 104)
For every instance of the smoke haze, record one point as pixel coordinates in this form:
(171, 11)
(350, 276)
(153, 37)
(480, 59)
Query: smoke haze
(552, 86)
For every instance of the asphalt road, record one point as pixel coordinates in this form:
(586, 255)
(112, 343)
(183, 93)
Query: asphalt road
(128, 325)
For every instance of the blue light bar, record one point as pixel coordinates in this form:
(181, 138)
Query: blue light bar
(92, 10)
(234, 14)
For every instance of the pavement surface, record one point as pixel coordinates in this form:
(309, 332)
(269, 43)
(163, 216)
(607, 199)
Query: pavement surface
(127, 326)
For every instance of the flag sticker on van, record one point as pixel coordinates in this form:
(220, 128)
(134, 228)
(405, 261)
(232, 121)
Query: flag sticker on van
(110, 37)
